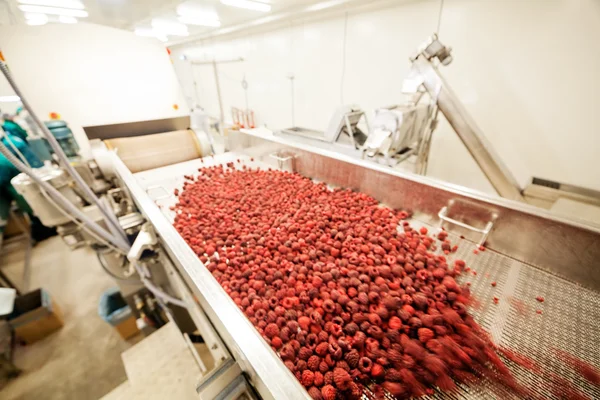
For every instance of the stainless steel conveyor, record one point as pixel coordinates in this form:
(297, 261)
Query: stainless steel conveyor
(530, 253)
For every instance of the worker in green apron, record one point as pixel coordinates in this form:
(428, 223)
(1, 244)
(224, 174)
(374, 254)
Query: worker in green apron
(11, 127)
(8, 192)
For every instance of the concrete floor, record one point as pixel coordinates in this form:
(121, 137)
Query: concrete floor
(83, 359)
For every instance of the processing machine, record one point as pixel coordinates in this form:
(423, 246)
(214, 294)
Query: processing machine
(526, 251)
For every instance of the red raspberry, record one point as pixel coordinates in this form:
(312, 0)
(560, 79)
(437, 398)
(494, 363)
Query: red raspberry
(315, 393)
(304, 322)
(276, 342)
(341, 378)
(354, 391)
(365, 364)
(319, 379)
(363, 298)
(396, 389)
(393, 375)
(328, 378)
(323, 367)
(322, 349)
(323, 336)
(313, 363)
(328, 392)
(271, 330)
(343, 365)
(377, 371)
(304, 353)
(308, 378)
(395, 323)
(290, 365)
(301, 365)
(352, 358)
(425, 335)
(351, 329)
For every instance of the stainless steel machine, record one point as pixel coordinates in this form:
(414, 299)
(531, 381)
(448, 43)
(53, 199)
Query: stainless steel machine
(343, 128)
(529, 253)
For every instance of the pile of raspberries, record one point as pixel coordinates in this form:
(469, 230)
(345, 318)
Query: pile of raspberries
(344, 291)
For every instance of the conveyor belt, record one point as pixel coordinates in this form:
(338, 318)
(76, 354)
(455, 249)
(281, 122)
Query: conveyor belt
(568, 322)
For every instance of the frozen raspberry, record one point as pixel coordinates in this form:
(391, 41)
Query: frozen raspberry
(304, 353)
(425, 334)
(328, 392)
(323, 336)
(392, 374)
(354, 391)
(313, 363)
(396, 389)
(377, 371)
(319, 379)
(352, 358)
(365, 364)
(304, 322)
(308, 378)
(359, 339)
(276, 342)
(290, 365)
(341, 378)
(271, 330)
(392, 303)
(395, 323)
(315, 393)
(328, 378)
(343, 364)
(323, 367)
(322, 349)
(301, 365)
(351, 328)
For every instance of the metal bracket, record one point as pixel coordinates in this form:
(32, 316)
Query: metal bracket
(219, 380)
(283, 156)
(443, 216)
(145, 240)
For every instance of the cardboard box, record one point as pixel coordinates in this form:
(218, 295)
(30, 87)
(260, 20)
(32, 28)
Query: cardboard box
(35, 316)
(127, 328)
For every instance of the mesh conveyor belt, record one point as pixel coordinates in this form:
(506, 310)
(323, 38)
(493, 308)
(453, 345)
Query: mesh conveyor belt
(569, 319)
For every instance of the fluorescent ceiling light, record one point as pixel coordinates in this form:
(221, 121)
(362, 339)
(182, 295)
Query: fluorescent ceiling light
(75, 4)
(36, 19)
(168, 27)
(67, 20)
(248, 4)
(10, 99)
(54, 11)
(149, 32)
(194, 20)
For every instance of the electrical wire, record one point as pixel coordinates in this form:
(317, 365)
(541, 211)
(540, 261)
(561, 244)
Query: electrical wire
(440, 17)
(343, 77)
(108, 215)
(79, 223)
(156, 291)
(59, 198)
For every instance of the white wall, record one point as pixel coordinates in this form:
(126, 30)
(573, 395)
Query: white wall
(527, 70)
(91, 74)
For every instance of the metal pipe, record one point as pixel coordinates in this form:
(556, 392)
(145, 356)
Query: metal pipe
(468, 131)
(108, 215)
(59, 198)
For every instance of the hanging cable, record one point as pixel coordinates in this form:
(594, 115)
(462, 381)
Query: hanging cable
(437, 31)
(108, 215)
(343, 59)
(156, 291)
(60, 199)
